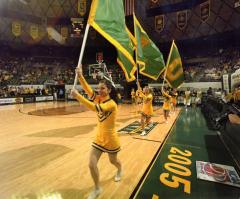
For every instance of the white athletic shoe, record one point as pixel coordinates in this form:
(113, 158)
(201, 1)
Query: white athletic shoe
(143, 133)
(95, 193)
(118, 176)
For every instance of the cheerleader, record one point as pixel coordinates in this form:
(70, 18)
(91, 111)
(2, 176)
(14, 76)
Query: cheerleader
(166, 104)
(147, 108)
(106, 139)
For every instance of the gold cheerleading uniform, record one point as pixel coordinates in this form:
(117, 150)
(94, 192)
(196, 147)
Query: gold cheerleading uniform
(167, 101)
(106, 138)
(174, 98)
(147, 109)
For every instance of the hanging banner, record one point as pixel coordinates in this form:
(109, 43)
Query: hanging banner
(34, 31)
(205, 11)
(159, 23)
(64, 32)
(16, 28)
(82, 7)
(182, 19)
(77, 27)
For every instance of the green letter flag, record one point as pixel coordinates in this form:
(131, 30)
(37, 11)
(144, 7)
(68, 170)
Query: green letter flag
(174, 69)
(149, 57)
(108, 18)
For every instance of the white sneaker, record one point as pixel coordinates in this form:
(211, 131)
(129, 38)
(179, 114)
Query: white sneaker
(143, 133)
(94, 194)
(118, 176)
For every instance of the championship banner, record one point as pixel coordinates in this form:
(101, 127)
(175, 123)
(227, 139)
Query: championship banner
(237, 3)
(182, 19)
(205, 11)
(64, 32)
(34, 31)
(16, 28)
(82, 7)
(159, 23)
(77, 27)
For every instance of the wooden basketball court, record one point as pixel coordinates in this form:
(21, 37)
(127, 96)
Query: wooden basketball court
(45, 147)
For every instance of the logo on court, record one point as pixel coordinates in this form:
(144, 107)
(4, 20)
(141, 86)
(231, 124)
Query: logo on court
(135, 127)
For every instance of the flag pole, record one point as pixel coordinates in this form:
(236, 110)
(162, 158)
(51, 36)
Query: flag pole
(137, 81)
(81, 53)
(164, 77)
(165, 73)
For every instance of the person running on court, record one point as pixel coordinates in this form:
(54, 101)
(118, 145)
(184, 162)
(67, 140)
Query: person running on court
(187, 98)
(147, 109)
(106, 139)
(166, 104)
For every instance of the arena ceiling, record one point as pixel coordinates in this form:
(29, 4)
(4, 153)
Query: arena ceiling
(223, 16)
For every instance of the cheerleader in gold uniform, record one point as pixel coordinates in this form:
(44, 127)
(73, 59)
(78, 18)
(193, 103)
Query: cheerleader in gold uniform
(147, 109)
(106, 139)
(166, 104)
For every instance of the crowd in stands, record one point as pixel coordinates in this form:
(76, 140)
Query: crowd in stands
(213, 67)
(16, 91)
(37, 70)
(32, 71)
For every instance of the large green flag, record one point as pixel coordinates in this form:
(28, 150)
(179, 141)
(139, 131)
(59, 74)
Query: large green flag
(174, 69)
(108, 18)
(148, 56)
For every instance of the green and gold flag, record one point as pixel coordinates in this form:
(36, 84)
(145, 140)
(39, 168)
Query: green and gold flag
(174, 69)
(148, 56)
(108, 18)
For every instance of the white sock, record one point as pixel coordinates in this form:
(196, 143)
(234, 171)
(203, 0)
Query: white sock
(95, 193)
(118, 176)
